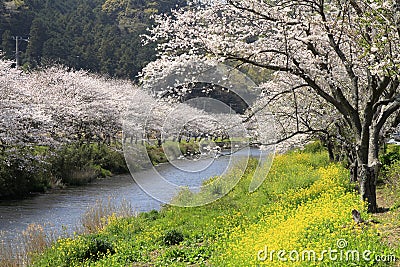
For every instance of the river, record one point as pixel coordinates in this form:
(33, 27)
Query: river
(63, 208)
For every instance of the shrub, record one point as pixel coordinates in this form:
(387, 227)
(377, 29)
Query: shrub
(77, 164)
(98, 247)
(156, 154)
(109, 159)
(34, 169)
(314, 147)
(172, 237)
(391, 156)
(189, 148)
(22, 171)
(392, 174)
(151, 215)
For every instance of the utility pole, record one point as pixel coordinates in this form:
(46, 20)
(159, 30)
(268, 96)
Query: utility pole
(17, 39)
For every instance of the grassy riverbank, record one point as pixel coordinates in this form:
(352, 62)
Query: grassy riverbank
(305, 204)
(27, 170)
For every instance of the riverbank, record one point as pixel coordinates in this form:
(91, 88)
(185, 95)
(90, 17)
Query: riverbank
(304, 204)
(24, 171)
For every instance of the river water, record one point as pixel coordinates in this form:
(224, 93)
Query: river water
(63, 208)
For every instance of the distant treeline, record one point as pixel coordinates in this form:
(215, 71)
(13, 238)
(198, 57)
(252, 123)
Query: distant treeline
(98, 35)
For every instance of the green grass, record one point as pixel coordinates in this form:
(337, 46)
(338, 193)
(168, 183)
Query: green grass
(302, 193)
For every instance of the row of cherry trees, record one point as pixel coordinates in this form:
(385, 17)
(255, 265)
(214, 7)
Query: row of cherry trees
(55, 106)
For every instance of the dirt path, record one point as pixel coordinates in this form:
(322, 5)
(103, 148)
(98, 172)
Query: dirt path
(389, 217)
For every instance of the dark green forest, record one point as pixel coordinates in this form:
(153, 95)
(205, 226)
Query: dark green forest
(102, 36)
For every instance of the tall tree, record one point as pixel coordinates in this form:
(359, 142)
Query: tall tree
(37, 38)
(8, 47)
(345, 53)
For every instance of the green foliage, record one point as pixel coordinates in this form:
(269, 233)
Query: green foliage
(25, 170)
(73, 164)
(172, 237)
(90, 248)
(22, 170)
(7, 46)
(101, 36)
(157, 154)
(77, 164)
(98, 247)
(390, 160)
(151, 215)
(38, 35)
(189, 148)
(314, 147)
(392, 175)
(177, 256)
(391, 155)
(109, 158)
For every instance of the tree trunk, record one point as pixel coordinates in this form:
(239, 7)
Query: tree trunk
(354, 171)
(367, 179)
(159, 141)
(369, 165)
(330, 147)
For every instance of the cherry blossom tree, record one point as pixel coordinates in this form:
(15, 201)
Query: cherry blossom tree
(341, 58)
(56, 106)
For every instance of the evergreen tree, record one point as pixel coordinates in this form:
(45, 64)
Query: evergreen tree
(37, 38)
(7, 44)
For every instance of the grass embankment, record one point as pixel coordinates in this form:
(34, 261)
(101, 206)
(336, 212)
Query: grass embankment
(304, 204)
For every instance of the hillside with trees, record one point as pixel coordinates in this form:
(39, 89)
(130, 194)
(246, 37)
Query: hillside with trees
(102, 36)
